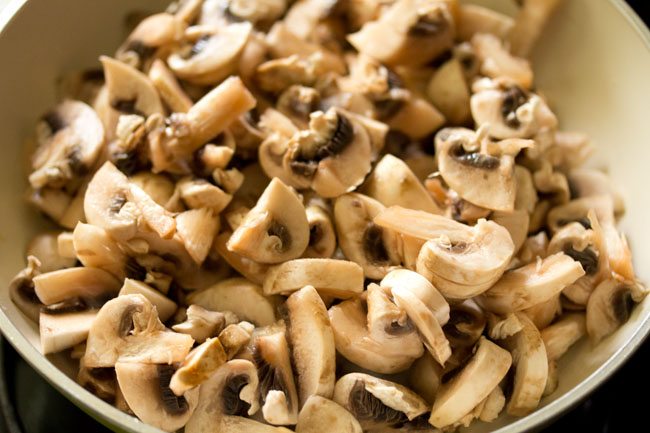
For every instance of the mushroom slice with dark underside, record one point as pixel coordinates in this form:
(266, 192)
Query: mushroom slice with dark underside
(377, 403)
(275, 230)
(471, 385)
(225, 400)
(460, 260)
(213, 56)
(337, 278)
(484, 179)
(332, 157)
(70, 138)
(361, 240)
(146, 390)
(280, 403)
(532, 284)
(127, 329)
(466, 324)
(21, 290)
(318, 410)
(610, 306)
(89, 284)
(312, 343)
(322, 237)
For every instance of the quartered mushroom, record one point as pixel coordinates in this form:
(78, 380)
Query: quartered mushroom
(201, 323)
(225, 400)
(21, 289)
(449, 92)
(213, 56)
(497, 62)
(471, 385)
(530, 364)
(337, 278)
(322, 237)
(543, 314)
(45, 247)
(425, 377)
(96, 249)
(610, 306)
(239, 296)
(508, 111)
(253, 271)
(275, 230)
(165, 306)
(360, 239)
(532, 284)
(332, 157)
(198, 366)
(312, 344)
(197, 229)
(466, 324)
(461, 261)
(280, 403)
(70, 138)
(318, 410)
(563, 334)
(145, 388)
(127, 329)
(100, 381)
(408, 33)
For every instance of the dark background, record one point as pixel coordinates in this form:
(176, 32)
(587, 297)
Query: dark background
(30, 405)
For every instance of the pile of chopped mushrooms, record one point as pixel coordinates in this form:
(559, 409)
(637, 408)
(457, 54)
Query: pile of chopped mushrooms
(320, 215)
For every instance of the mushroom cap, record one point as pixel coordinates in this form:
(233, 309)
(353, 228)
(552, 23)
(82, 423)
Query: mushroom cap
(471, 385)
(393, 183)
(610, 306)
(532, 284)
(353, 341)
(318, 411)
(214, 56)
(338, 278)
(361, 240)
(71, 139)
(530, 364)
(146, 390)
(376, 402)
(242, 297)
(482, 179)
(127, 329)
(275, 230)
(90, 284)
(312, 343)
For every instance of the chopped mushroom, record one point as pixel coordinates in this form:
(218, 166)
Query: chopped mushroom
(529, 24)
(165, 306)
(318, 410)
(563, 334)
(201, 324)
(21, 289)
(199, 365)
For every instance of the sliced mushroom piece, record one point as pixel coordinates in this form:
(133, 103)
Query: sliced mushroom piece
(297, 102)
(502, 327)
(425, 377)
(338, 278)
(165, 306)
(312, 343)
(497, 62)
(461, 261)
(532, 284)
(240, 296)
(275, 230)
(481, 178)
(530, 364)
(610, 306)
(376, 402)
(529, 23)
(417, 119)
(127, 329)
(96, 249)
(354, 342)
(45, 247)
(393, 183)
(154, 32)
(471, 385)
(563, 334)
(226, 398)
(318, 410)
(508, 111)
(516, 222)
(332, 157)
(466, 324)
(577, 211)
(552, 183)
(199, 193)
(543, 314)
(474, 19)
(21, 289)
(449, 92)
(279, 75)
(235, 337)
(52, 202)
(128, 91)
(322, 237)
(278, 393)
(212, 57)
(70, 139)
(146, 390)
(585, 182)
(199, 365)
(526, 197)
(100, 381)
(360, 239)
(197, 229)
(534, 246)
(254, 271)
(62, 328)
(408, 33)
(91, 286)
(201, 323)
(170, 90)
